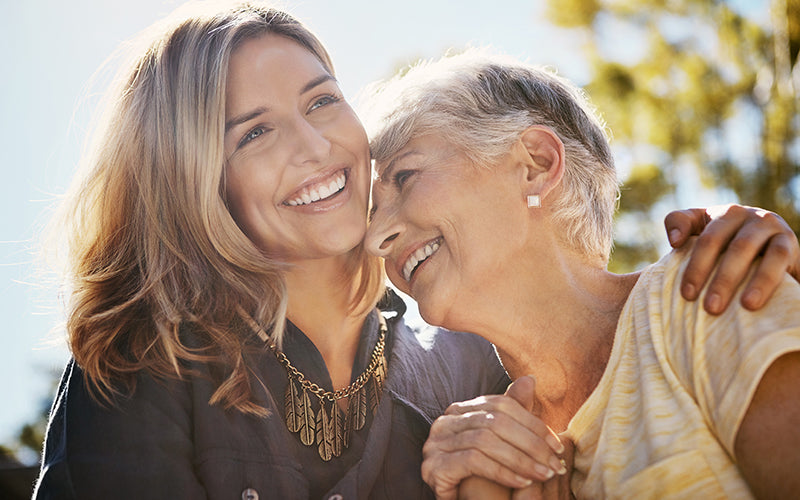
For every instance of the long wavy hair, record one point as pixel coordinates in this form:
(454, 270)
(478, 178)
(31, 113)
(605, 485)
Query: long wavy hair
(151, 246)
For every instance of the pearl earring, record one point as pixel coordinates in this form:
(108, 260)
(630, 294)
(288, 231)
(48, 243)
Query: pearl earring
(534, 201)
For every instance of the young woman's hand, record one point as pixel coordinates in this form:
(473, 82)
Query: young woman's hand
(735, 236)
(495, 437)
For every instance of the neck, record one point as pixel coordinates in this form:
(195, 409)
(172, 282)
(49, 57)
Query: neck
(320, 296)
(561, 333)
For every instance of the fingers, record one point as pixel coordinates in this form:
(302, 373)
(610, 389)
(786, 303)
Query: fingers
(733, 238)
(713, 239)
(555, 488)
(494, 437)
(769, 273)
(734, 265)
(681, 224)
(505, 416)
(498, 438)
(444, 472)
(523, 391)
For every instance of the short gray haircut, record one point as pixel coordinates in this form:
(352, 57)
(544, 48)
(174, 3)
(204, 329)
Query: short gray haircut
(482, 103)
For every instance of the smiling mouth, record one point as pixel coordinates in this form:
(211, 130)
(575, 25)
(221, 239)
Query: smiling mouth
(319, 191)
(420, 256)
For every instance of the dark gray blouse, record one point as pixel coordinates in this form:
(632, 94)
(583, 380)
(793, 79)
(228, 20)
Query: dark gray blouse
(166, 441)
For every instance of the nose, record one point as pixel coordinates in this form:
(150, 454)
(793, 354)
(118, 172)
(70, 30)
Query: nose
(310, 142)
(384, 228)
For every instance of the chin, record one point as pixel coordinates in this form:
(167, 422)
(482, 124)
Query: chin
(345, 239)
(432, 314)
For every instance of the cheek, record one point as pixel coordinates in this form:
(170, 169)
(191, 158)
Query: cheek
(350, 133)
(234, 199)
(395, 278)
(249, 191)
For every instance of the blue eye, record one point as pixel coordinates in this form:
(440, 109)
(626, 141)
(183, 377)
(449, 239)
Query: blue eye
(253, 134)
(324, 101)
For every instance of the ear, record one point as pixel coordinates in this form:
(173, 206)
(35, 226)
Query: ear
(543, 158)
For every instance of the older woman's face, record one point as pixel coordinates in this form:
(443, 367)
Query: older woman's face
(445, 227)
(297, 172)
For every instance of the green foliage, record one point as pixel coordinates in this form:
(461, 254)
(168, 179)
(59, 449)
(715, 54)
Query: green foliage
(32, 435)
(573, 13)
(27, 444)
(644, 184)
(708, 80)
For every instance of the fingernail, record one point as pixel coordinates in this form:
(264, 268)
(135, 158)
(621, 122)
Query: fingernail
(714, 303)
(523, 481)
(558, 466)
(689, 290)
(547, 472)
(674, 235)
(554, 443)
(752, 298)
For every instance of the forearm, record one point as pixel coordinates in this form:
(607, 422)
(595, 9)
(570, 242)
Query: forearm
(768, 440)
(479, 488)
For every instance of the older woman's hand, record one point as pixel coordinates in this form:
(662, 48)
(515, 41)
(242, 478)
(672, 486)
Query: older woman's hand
(555, 488)
(735, 235)
(495, 437)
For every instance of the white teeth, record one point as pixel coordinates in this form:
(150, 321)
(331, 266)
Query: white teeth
(321, 192)
(418, 256)
(324, 192)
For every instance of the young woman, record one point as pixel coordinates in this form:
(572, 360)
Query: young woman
(222, 309)
(493, 208)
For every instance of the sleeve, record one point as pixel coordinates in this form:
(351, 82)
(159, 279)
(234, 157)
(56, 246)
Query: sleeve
(139, 448)
(727, 355)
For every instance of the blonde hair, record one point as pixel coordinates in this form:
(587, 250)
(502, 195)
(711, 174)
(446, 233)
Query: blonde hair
(482, 102)
(151, 246)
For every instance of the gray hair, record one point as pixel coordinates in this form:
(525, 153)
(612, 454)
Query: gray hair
(482, 103)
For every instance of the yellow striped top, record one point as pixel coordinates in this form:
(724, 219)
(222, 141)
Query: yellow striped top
(663, 419)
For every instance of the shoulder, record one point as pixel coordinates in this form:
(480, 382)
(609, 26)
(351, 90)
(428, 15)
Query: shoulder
(659, 287)
(81, 410)
(713, 351)
(90, 444)
(433, 367)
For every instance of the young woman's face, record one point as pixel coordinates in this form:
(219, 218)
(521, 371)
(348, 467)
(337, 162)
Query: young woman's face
(446, 228)
(297, 173)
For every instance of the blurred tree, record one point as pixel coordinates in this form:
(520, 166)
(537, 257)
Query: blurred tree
(27, 444)
(694, 88)
(18, 460)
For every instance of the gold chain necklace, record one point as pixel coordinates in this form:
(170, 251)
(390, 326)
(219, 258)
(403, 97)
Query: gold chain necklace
(330, 430)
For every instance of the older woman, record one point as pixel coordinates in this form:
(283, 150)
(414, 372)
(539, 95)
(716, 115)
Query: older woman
(493, 208)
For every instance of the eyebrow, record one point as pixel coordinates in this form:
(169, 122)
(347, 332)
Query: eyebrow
(388, 170)
(317, 81)
(245, 117)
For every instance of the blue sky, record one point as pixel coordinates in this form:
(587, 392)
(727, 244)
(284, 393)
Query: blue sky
(53, 48)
